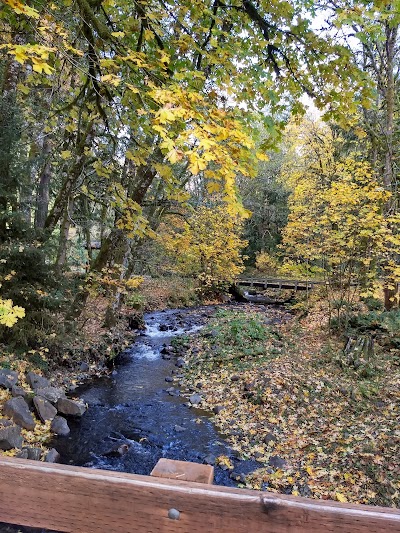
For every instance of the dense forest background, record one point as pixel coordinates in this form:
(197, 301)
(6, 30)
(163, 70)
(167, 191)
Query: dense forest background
(172, 139)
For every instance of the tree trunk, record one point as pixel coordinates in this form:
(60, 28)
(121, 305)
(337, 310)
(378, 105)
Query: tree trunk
(390, 288)
(43, 190)
(64, 237)
(8, 136)
(117, 241)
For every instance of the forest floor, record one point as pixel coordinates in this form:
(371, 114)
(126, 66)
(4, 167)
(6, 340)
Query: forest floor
(285, 397)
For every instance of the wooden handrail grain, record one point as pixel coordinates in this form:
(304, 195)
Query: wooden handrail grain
(82, 500)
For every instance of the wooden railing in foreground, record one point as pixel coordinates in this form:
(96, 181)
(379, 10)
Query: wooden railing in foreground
(82, 500)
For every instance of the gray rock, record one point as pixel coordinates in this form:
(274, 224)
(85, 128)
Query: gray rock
(169, 379)
(71, 407)
(195, 399)
(167, 350)
(180, 362)
(118, 451)
(173, 392)
(166, 357)
(235, 378)
(210, 459)
(179, 429)
(44, 409)
(52, 456)
(83, 367)
(59, 426)
(8, 378)
(34, 454)
(269, 439)
(10, 435)
(51, 394)
(17, 409)
(276, 462)
(23, 454)
(217, 409)
(238, 476)
(36, 381)
(16, 390)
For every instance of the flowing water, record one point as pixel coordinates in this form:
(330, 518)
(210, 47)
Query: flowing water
(132, 408)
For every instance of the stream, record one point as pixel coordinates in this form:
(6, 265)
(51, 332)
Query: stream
(131, 408)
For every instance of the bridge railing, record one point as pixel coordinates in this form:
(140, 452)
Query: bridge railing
(274, 283)
(82, 500)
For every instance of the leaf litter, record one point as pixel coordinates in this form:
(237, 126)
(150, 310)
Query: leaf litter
(317, 429)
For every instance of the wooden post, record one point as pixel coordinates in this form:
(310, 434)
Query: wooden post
(183, 470)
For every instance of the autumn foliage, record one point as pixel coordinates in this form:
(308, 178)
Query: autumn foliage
(206, 246)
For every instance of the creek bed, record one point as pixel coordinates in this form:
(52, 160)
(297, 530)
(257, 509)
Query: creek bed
(131, 408)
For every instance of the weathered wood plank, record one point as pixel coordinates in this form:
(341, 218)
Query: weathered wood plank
(80, 500)
(183, 470)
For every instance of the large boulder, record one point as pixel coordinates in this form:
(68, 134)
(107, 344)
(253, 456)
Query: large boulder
(60, 427)
(17, 409)
(10, 435)
(71, 407)
(44, 409)
(51, 394)
(8, 378)
(36, 381)
(16, 390)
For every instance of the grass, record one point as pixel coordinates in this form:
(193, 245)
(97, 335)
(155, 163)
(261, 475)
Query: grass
(236, 338)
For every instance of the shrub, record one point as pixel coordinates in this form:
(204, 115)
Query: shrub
(266, 263)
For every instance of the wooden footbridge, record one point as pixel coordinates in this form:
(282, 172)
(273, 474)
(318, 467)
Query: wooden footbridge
(178, 497)
(273, 283)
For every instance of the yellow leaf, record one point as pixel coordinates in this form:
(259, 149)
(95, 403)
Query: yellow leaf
(197, 166)
(340, 497)
(174, 156)
(23, 88)
(111, 78)
(310, 471)
(132, 88)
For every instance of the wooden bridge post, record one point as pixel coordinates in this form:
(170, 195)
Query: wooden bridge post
(183, 470)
